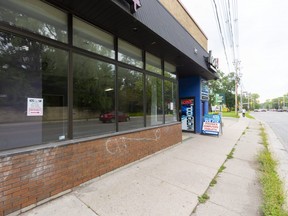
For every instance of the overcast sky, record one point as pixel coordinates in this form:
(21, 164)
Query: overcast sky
(263, 43)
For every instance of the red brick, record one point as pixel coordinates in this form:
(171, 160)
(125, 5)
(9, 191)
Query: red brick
(30, 201)
(10, 191)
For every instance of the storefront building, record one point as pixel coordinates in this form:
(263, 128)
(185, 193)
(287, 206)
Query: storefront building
(89, 86)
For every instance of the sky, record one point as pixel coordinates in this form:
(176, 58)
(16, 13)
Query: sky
(263, 43)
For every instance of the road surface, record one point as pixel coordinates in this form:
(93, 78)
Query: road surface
(278, 122)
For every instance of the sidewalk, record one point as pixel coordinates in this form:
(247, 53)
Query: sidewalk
(169, 182)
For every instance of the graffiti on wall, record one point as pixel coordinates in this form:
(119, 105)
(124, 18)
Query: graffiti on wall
(119, 145)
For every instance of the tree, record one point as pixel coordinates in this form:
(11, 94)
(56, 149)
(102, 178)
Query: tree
(254, 101)
(225, 85)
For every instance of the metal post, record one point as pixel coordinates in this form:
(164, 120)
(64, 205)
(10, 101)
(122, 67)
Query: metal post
(248, 95)
(236, 63)
(241, 99)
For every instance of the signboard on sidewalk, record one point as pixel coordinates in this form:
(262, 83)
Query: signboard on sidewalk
(211, 124)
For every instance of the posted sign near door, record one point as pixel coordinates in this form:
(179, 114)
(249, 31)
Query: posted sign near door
(187, 114)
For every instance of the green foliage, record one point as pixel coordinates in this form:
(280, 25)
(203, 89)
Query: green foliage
(203, 198)
(276, 103)
(249, 116)
(221, 169)
(225, 84)
(213, 182)
(273, 193)
(230, 114)
(230, 155)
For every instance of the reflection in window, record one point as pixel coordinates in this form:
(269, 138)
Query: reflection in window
(130, 91)
(154, 100)
(90, 38)
(129, 54)
(153, 63)
(35, 16)
(29, 69)
(93, 87)
(169, 70)
(170, 101)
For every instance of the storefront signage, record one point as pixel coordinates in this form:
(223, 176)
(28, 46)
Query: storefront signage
(204, 90)
(220, 98)
(211, 124)
(134, 5)
(213, 62)
(34, 106)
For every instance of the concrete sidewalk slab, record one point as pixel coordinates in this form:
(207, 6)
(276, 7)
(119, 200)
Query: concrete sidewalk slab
(65, 205)
(237, 167)
(141, 195)
(238, 190)
(233, 194)
(166, 183)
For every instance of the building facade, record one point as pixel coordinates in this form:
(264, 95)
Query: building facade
(89, 86)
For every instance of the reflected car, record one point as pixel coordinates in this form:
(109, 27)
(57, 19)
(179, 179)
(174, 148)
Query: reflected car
(111, 117)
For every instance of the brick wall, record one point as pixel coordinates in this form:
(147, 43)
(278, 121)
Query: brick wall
(27, 178)
(180, 13)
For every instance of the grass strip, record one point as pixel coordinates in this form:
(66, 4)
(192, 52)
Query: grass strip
(272, 186)
(249, 116)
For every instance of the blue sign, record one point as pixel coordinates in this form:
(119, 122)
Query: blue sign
(211, 124)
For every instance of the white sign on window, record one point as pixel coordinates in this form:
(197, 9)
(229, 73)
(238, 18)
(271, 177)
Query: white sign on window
(34, 106)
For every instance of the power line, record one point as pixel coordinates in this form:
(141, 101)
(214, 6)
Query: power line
(221, 33)
(226, 13)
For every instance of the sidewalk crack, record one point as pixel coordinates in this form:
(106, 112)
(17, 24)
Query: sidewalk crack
(87, 205)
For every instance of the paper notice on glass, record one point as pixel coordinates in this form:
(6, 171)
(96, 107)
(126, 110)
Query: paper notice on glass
(34, 106)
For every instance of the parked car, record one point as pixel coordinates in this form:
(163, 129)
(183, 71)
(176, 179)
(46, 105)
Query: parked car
(111, 117)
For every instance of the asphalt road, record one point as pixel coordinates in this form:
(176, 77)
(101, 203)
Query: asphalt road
(278, 122)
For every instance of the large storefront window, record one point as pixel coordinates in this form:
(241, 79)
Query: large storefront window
(170, 101)
(169, 70)
(129, 54)
(154, 101)
(90, 38)
(33, 92)
(35, 16)
(130, 91)
(153, 63)
(108, 95)
(94, 97)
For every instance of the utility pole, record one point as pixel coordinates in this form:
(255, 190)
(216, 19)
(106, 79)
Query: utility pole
(236, 65)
